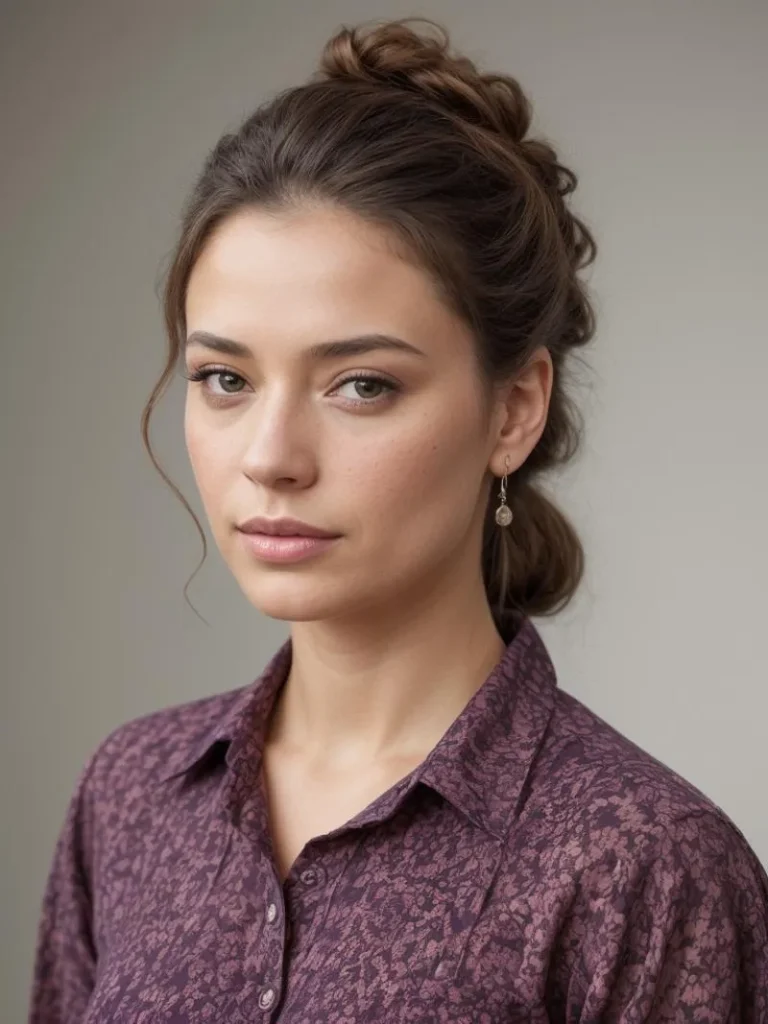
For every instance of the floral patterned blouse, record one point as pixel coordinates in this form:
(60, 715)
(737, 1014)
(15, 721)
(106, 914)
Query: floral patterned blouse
(537, 866)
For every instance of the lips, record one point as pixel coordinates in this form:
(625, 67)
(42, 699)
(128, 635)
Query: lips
(284, 527)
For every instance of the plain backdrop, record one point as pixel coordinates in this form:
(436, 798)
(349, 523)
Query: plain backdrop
(108, 110)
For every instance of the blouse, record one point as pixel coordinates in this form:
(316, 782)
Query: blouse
(537, 866)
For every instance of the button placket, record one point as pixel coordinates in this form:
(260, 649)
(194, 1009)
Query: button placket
(270, 994)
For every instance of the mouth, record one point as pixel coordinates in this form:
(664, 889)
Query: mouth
(285, 548)
(285, 527)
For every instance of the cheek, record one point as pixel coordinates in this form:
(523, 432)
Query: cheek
(426, 477)
(209, 458)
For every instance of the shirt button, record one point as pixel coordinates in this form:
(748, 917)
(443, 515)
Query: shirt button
(266, 998)
(271, 912)
(441, 970)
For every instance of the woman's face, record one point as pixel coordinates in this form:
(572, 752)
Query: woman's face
(396, 467)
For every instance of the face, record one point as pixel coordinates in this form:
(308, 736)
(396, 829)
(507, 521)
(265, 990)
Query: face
(386, 448)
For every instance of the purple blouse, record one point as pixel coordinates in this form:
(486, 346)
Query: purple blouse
(537, 866)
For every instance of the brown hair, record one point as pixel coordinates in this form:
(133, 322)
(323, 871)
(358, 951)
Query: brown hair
(399, 130)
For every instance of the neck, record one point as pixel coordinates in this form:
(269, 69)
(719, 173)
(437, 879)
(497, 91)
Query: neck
(388, 685)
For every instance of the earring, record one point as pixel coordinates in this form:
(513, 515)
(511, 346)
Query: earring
(504, 513)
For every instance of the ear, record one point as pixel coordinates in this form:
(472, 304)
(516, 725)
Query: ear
(522, 406)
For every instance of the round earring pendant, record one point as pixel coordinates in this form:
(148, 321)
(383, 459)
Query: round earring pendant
(504, 515)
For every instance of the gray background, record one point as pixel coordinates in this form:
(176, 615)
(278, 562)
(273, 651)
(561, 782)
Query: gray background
(107, 112)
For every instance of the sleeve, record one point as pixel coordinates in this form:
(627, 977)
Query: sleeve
(65, 958)
(681, 937)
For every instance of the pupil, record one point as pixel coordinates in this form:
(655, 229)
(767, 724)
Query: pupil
(367, 384)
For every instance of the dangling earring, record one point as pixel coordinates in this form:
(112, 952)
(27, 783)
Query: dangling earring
(504, 514)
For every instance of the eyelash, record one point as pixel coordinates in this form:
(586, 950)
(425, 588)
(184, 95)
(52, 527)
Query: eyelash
(202, 375)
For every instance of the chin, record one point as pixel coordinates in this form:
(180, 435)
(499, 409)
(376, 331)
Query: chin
(297, 600)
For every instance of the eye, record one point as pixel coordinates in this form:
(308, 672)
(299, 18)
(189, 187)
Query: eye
(368, 380)
(201, 376)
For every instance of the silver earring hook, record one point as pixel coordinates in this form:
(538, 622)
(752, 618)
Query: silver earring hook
(504, 513)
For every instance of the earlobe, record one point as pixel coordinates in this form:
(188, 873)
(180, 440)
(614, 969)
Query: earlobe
(506, 459)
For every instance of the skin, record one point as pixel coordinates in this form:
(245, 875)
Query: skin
(392, 633)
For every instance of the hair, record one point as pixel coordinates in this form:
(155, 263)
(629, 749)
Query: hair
(397, 129)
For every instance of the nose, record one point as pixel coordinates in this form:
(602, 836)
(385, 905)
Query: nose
(278, 450)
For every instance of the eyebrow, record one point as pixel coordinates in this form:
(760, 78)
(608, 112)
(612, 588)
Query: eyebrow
(325, 350)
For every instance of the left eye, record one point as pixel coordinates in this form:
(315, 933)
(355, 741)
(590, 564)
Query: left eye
(367, 382)
(366, 387)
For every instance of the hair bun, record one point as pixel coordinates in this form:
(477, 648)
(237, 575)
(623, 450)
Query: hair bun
(395, 55)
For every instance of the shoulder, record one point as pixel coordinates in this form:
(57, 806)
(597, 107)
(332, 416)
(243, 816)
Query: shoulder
(603, 800)
(116, 779)
(656, 892)
(139, 750)
(604, 783)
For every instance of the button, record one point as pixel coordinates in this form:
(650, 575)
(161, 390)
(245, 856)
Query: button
(266, 998)
(309, 877)
(441, 970)
(271, 912)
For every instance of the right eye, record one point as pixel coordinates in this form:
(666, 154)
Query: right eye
(202, 375)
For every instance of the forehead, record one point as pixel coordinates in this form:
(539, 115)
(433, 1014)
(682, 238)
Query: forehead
(308, 261)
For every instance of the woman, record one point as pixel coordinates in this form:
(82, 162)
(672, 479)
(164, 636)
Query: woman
(375, 294)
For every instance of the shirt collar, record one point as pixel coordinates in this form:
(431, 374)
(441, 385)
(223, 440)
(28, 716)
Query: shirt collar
(483, 761)
(239, 719)
(480, 765)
